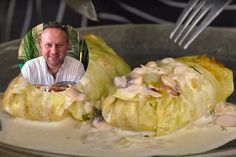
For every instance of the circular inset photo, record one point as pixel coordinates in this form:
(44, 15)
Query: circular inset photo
(53, 54)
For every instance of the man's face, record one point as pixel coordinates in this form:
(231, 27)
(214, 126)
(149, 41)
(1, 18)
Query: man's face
(53, 46)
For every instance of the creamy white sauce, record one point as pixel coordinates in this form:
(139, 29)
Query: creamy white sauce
(75, 138)
(170, 72)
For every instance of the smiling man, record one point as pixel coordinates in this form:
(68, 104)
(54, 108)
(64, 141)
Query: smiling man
(53, 66)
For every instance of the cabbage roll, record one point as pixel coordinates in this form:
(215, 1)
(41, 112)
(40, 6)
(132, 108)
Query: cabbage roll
(163, 96)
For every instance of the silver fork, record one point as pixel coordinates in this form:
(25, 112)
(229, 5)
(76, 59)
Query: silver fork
(191, 15)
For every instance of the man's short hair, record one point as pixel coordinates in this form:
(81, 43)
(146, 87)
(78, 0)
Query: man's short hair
(54, 24)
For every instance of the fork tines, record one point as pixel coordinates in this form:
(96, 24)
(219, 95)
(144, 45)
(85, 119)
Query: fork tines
(186, 30)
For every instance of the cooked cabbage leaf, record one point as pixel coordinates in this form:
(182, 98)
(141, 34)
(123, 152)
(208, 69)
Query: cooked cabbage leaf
(165, 95)
(22, 99)
(104, 65)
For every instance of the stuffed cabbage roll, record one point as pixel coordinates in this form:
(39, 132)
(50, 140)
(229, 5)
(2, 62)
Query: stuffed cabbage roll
(165, 95)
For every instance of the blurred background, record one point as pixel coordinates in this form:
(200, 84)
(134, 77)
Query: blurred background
(19, 16)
